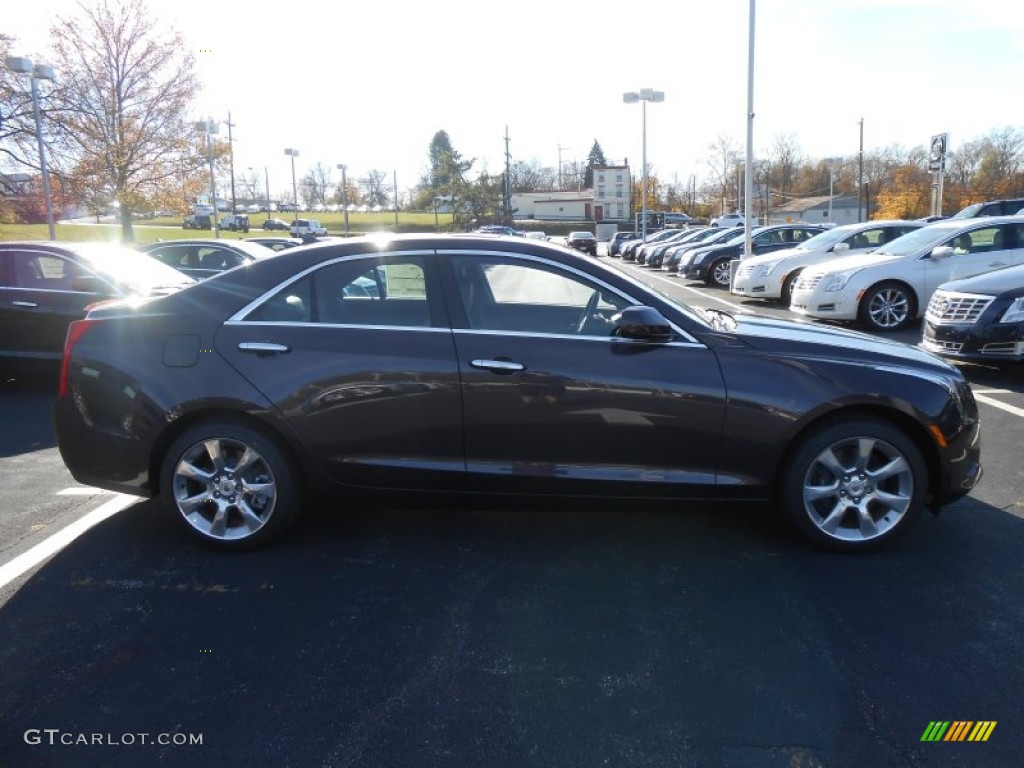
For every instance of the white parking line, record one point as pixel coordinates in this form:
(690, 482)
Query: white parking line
(997, 404)
(44, 549)
(81, 490)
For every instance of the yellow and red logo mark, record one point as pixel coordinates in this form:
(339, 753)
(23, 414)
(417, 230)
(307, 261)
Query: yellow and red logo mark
(958, 730)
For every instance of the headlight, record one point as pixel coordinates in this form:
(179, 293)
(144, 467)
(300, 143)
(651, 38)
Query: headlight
(836, 281)
(763, 270)
(1014, 313)
(698, 258)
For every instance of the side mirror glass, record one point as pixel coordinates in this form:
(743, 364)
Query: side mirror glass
(840, 247)
(942, 251)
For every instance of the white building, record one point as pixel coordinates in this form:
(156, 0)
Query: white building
(608, 201)
(815, 210)
(612, 188)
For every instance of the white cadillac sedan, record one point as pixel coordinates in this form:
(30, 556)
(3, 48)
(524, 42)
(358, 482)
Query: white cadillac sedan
(889, 288)
(771, 275)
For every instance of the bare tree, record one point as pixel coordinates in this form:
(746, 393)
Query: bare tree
(722, 158)
(375, 188)
(785, 162)
(123, 99)
(314, 185)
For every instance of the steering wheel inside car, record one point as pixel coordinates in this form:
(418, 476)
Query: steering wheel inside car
(588, 312)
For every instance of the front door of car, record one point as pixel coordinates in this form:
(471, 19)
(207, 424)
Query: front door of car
(982, 249)
(554, 403)
(358, 356)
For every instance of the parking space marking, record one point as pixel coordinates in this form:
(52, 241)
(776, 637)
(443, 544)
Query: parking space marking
(993, 391)
(44, 549)
(697, 291)
(81, 490)
(997, 404)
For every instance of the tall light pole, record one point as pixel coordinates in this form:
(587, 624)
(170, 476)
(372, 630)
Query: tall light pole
(210, 128)
(632, 97)
(37, 72)
(344, 193)
(293, 153)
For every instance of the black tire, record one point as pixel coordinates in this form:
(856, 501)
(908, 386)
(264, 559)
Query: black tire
(854, 485)
(888, 307)
(718, 273)
(787, 287)
(202, 487)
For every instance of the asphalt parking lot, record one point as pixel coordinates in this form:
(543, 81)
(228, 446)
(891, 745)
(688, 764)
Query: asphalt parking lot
(442, 633)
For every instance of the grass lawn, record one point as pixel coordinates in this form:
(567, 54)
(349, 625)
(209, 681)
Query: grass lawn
(151, 230)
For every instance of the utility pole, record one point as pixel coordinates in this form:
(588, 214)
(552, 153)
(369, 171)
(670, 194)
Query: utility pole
(231, 159)
(560, 148)
(860, 171)
(507, 191)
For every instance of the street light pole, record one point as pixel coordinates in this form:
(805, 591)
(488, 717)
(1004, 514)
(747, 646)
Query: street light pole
(632, 97)
(344, 193)
(209, 127)
(293, 153)
(35, 73)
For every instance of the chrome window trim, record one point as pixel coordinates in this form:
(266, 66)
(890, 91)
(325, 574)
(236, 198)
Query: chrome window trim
(239, 317)
(293, 324)
(573, 337)
(52, 290)
(586, 275)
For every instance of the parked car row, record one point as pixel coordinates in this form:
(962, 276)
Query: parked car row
(958, 274)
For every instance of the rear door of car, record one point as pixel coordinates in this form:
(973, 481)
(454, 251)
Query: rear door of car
(554, 403)
(357, 354)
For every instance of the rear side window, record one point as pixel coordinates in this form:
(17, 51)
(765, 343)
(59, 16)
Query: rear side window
(358, 292)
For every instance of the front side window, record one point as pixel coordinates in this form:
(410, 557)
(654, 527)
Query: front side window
(978, 241)
(366, 292)
(532, 297)
(41, 271)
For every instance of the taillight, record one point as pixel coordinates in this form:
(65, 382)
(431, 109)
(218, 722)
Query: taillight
(76, 330)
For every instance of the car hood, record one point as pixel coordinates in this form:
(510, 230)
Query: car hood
(990, 283)
(857, 261)
(798, 339)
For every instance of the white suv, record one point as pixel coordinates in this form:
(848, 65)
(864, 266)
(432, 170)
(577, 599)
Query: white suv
(307, 227)
(888, 288)
(730, 220)
(771, 275)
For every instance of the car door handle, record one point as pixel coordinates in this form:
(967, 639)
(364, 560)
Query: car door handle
(499, 366)
(263, 348)
(26, 304)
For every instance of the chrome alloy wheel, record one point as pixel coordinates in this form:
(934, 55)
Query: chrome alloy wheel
(888, 308)
(224, 489)
(858, 489)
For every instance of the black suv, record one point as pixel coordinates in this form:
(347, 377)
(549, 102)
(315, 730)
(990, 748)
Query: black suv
(991, 208)
(197, 221)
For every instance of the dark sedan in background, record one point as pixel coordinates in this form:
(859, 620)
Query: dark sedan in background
(498, 365)
(46, 285)
(202, 258)
(582, 241)
(712, 266)
(978, 318)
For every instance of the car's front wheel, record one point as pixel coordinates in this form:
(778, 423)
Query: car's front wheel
(888, 307)
(230, 484)
(718, 274)
(856, 484)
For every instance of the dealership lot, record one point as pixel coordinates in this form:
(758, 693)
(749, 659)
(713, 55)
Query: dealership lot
(387, 633)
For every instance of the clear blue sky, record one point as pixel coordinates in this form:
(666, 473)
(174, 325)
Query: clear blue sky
(369, 83)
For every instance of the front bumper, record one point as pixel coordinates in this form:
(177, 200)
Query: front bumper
(992, 342)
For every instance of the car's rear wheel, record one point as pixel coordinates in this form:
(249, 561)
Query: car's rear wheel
(230, 484)
(857, 484)
(888, 307)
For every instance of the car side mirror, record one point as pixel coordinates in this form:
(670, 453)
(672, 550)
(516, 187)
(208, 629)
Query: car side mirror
(90, 284)
(840, 247)
(643, 324)
(941, 251)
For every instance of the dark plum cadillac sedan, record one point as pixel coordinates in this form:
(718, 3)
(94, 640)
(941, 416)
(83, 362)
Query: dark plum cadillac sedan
(488, 364)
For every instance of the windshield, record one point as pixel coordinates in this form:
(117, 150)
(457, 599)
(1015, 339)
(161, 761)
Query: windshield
(132, 272)
(825, 240)
(969, 212)
(919, 240)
